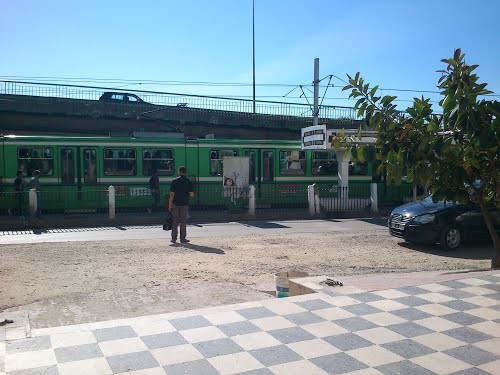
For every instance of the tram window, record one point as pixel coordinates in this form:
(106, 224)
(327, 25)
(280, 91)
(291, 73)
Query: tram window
(292, 162)
(217, 158)
(89, 166)
(324, 163)
(160, 160)
(268, 170)
(358, 168)
(67, 166)
(120, 162)
(30, 159)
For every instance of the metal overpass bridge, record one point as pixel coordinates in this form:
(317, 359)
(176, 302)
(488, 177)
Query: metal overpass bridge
(44, 108)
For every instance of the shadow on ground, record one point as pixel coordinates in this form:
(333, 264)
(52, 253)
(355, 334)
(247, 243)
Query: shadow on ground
(481, 251)
(201, 249)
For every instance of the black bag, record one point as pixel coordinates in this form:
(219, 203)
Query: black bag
(169, 220)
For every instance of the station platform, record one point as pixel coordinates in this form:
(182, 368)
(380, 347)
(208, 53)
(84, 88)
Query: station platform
(413, 323)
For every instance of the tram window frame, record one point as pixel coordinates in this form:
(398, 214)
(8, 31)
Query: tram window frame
(315, 160)
(118, 172)
(28, 164)
(216, 165)
(148, 170)
(286, 156)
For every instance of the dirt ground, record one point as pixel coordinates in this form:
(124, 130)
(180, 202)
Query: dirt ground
(87, 280)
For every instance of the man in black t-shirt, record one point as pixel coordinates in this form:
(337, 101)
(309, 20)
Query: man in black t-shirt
(180, 192)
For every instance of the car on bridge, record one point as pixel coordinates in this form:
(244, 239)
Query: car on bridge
(121, 97)
(447, 223)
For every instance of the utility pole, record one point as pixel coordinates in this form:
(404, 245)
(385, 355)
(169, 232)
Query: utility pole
(316, 92)
(253, 44)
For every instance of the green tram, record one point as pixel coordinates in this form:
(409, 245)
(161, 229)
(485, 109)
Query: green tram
(76, 171)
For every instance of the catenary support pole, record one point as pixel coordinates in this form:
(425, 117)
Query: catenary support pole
(316, 92)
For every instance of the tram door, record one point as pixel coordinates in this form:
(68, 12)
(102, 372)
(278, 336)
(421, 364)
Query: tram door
(261, 168)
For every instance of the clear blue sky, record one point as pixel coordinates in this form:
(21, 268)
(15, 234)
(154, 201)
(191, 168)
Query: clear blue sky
(393, 43)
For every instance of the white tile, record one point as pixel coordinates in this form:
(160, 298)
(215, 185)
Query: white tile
(234, 363)
(280, 307)
(384, 319)
(2, 347)
(224, 318)
(72, 339)
(478, 291)
(366, 371)
(441, 363)
(22, 361)
(85, 367)
(435, 297)
(148, 371)
(491, 367)
(334, 313)
(437, 324)
(341, 301)
(17, 333)
(380, 335)
(313, 348)
(145, 328)
(274, 322)
(297, 368)
(375, 356)
(482, 301)
(387, 305)
(122, 346)
(434, 287)
(324, 329)
(488, 327)
(485, 313)
(390, 293)
(492, 345)
(349, 289)
(438, 341)
(202, 334)
(176, 354)
(256, 340)
(436, 309)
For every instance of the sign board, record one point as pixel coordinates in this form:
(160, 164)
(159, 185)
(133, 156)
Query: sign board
(314, 138)
(236, 170)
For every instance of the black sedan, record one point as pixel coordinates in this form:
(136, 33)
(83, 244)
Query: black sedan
(445, 223)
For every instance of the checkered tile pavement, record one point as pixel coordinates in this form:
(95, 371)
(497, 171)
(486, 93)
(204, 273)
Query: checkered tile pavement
(450, 327)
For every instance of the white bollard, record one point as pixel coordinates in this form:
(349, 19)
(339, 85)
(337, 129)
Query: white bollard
(414, 193)
(374, 197)
(33, 202)
(311, 199)
(112, 203)
(251, 200)
(317, 208)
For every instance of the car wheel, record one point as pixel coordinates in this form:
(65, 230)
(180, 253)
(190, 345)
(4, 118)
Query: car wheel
(451, 238)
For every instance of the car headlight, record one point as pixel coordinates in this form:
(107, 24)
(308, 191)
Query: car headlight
(424, 219)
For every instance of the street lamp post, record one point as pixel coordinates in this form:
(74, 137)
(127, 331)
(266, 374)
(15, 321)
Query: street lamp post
(253, 44)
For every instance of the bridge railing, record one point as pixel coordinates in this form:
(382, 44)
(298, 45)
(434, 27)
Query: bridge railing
(153, 99)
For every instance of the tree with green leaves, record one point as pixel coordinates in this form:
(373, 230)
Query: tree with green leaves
(456, 154)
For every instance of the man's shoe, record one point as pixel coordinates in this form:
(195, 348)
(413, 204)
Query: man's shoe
(184, 241)
(173, 241)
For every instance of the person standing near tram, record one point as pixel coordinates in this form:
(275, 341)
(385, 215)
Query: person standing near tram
(180, 192)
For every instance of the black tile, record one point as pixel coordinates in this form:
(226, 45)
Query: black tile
(403, 368)
(347, 341)
(467, 334)
(339, 363)
(408, 348)
(471, 355)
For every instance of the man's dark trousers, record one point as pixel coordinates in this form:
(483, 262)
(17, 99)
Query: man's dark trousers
(180, 214)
